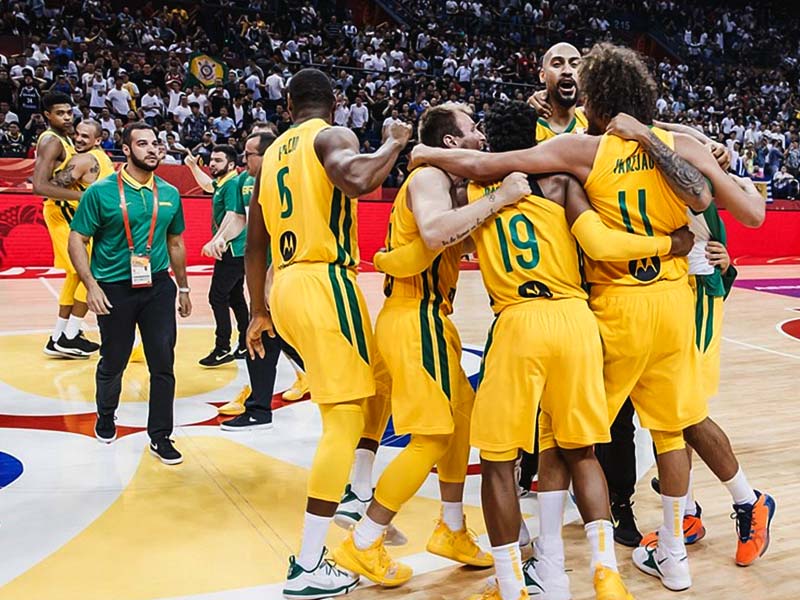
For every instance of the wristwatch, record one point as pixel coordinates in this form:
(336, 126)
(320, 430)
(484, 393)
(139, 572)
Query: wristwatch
(185, 290)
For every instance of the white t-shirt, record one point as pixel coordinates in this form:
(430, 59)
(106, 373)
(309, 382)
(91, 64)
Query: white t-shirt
(275, 86)
(108, 124)
(252, 83)
(151, 105)
(181, 112)
(98, 89)
(174, 100)
(359, 115)
(119, 101)
(201, 99)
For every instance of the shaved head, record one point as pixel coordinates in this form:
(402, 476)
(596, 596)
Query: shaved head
(560, 49)
(559, 73)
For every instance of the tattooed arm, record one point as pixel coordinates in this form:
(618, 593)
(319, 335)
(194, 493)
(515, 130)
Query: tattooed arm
(685, 179)
(440, 224)
(82, 168)
(48, 155)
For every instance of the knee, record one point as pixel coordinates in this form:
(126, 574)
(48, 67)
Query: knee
(432, 446)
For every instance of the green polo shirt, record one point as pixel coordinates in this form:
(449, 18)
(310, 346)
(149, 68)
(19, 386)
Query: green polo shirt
(228, 197)
(99, 217)
(246, 183)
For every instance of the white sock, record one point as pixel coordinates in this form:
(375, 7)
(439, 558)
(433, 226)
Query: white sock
(740, 489)
(453, 515)
(691, 506)
(551, 516)
(508, 570)
(601, 538)
(315, 530)
(670, 536)
(361, 482)
(367, 533)
(74, 326)
(61, 325)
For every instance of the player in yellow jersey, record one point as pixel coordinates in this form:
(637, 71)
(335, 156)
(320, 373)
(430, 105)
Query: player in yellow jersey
(644, 307)
(431, 396)
(55, 148)
(310, 180)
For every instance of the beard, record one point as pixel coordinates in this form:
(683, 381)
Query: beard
(141, 164)
(563, 101)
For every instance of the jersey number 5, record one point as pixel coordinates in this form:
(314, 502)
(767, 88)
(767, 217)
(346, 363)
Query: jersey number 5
(523, 238)
(286, 195)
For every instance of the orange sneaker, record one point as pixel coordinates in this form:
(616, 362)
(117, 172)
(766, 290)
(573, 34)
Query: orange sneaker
(752, 525)
(693, 529)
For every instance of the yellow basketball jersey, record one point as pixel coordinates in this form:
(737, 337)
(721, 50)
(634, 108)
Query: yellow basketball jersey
(526, 252)
(630, 194)
(308, 218)
(578, 124)
(437, 283)
(69, 152)
(106, 166)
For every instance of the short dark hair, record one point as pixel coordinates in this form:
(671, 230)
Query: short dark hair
(53, 98)
(226, 149)
(265, 139)
(127, 133)
(439, 121)
(311, 88)
(616, 80)
(510, 126)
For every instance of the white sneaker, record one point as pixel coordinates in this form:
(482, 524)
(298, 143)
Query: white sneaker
(545, 578)
(351, 509)
(524, 534)
(324, 581)
(671, 570)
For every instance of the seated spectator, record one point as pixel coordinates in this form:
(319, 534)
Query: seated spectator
(784, 185)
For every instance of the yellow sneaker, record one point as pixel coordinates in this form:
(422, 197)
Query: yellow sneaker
(492, 592)
(236, 406)
(460, 546)
(137, 354)
(298, 390)
(374, 563)
(608, 585)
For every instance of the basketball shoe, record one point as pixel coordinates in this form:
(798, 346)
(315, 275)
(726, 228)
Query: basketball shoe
(323, 581)
(235, 407)
(460, 546)
(608, 585)
(350, 511)
(492, 592)
(693, 528)
(298, 390)
(673, 571)
(752, 524)
(374, 563)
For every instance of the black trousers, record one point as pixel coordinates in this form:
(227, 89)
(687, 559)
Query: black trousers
(618, 457)
(153, 310)
(262, 373)
(226, 293)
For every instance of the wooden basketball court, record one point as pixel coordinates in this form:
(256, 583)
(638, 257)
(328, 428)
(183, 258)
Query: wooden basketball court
(87, 521)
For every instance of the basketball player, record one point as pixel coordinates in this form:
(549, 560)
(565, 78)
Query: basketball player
(528, 256)
(644, 307)
(54, 150)
(560, 97)
(255, 409)
(310, 180)
(431, 397)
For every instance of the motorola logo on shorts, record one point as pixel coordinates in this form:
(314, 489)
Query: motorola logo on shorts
(534, 289)
(288, 245)
(645, 269)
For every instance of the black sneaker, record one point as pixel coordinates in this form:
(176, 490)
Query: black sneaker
(625, 530)
(217, 358)
(165, 451)
(104, 429)
(93, 346)
(51, 350)
(246, 422)
(77, 347)
(240, 353)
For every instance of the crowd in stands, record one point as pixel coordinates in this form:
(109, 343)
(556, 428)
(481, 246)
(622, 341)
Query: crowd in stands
(731, 72)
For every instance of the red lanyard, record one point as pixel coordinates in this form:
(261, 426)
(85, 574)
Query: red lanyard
(124, 206)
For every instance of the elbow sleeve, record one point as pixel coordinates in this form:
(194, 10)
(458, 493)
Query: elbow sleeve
(406, 261)
(602, 243)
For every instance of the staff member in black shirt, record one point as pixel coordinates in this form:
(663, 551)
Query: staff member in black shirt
(135, 220)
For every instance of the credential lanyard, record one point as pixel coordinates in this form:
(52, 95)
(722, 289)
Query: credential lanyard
(124, 207)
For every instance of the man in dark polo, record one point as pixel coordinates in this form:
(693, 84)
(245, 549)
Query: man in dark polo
(128, 284)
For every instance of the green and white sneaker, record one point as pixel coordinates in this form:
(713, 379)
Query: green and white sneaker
(671, 570)
(545, 578)
(324, 581)
(351, 509)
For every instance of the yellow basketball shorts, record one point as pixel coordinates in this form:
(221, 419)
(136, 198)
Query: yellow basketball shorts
(57, 218)
(422, 350)
(708, 313)
(648, 344)
(548, 353)
(320, 311)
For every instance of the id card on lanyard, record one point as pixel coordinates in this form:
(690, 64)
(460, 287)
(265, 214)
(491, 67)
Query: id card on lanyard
(141, 274)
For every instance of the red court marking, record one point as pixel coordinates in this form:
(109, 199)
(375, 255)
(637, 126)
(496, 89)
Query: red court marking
(792, 328)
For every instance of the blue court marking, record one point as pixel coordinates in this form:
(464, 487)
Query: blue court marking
(10, 469)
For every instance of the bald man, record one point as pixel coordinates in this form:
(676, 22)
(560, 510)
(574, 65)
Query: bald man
(557, 103)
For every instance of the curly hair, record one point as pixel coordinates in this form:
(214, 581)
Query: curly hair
(616, 80)
(510, 126)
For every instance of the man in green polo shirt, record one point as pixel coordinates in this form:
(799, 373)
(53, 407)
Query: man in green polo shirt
(227, 282)
(128, 284)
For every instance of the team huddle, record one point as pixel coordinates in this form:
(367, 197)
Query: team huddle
(582, 245)
(603, 259)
